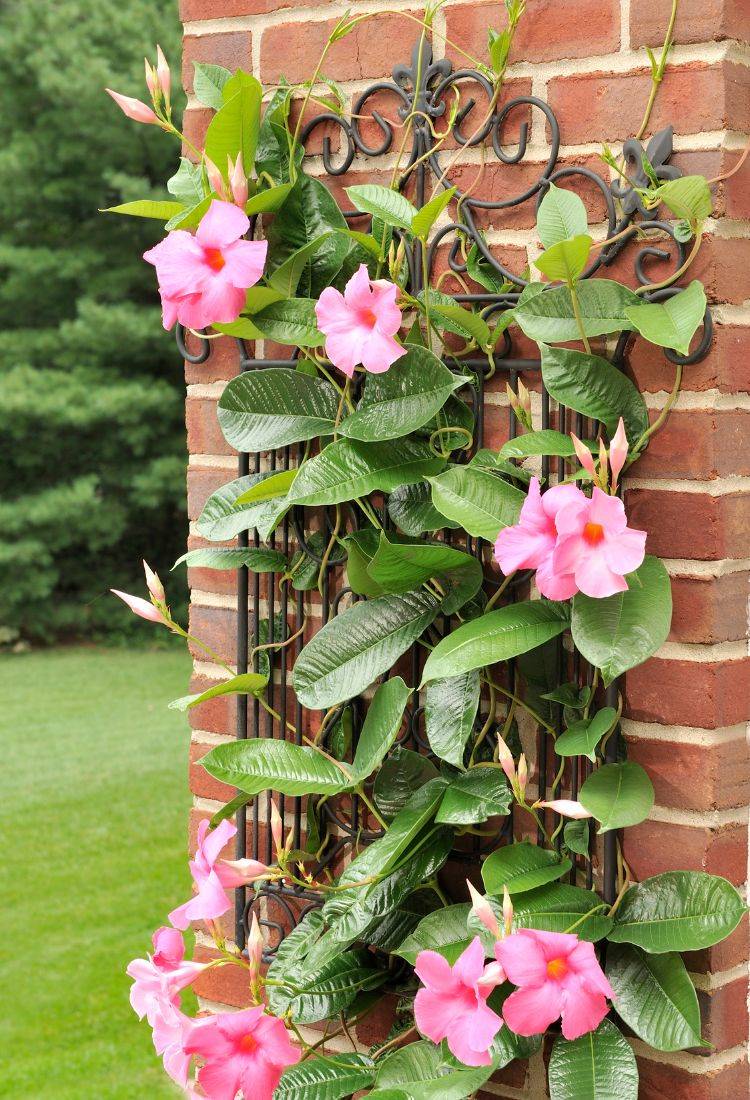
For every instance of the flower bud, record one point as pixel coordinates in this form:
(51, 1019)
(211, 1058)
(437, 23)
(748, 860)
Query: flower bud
(277, 829)
(163, 74)
(255, 951)
(520, 403)
(154, 585)
(505, 756)
(603, 465)
(483, 911)
(134, 109)
(507, 912)
(566, 807)
(142, 608)
(618, 453)
(524, 398)
(584, 455)
(523, 775)
(238, 181)
(152, 80)
(215, 178)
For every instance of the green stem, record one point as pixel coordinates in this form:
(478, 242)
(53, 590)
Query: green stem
(520, 702)
(380, 820)
(577, 314)
(658, 75)
(648, 287)
(496, 595)
(585, 917)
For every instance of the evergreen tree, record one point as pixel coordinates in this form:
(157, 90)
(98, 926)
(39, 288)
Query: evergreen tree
(91, 429)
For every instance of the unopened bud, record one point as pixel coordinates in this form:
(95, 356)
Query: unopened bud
(520, 403)
(483, 911)
(215, 178)
(152, 80)
(603, 465)
(584, 455)
(154, 585)
(507, 912)
(277, 829)
(255, 952)
(523, 775)
(238, 181)
(163, 74)
(505, 756)
(618, 453)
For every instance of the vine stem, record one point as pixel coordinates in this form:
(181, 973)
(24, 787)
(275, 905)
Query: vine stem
(520, 702)
(661, 418)
(658, 74)
(395, 1042)
(648, 287)
(497, 594)
(577, 314)
(371, 807)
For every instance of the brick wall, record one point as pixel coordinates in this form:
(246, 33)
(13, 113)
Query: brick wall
(687, 709)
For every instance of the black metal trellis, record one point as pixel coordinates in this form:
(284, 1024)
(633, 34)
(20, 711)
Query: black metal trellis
(424, 90)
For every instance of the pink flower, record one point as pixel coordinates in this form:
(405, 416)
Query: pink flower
(566, 807)
(557, 975)
(453, 1004)
(361, 323)
(159, 978)
(170, 1027)
(134, 109)
(203, 278)
(244, 1052)
(213, 876)
(141, 607)
(595, 547)
(530, 543)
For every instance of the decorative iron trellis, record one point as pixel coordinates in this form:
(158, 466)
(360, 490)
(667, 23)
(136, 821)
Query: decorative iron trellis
(423, 91)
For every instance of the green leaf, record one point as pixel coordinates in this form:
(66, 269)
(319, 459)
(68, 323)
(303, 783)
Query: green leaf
(258, 559)
(544, 442)
(483, 273)
(576, 836)
(347, 469)
(557, 907)
(286, 277)
(276, 484)
(550, 317)
(261, 410)
(187, 184)
(655, 997)
(234, 127)
(326, 992)
(444, 931)
(403, 773)
(290, 322)
(401, 566)
(581, 738)
(671, 324)
(229, 809)
(358, 645)
(391, 207)
(146, 208)
(688, 197)
(454, 318)
(678, 911)
(190, 217)
(403, 399)
(309, 214)
(594, 387)
(450, 710)
(424, 219)
(361, 547)
(423, 1072)
(411, 508)
(208, 84)
(381, 725)
(496, 636)
(223, 517)
(326, 1078)
(248, 683)
(621, 631)
(474, 796)
(618, 795)
(520, 867)
(566, 260)
(561, 216)
(262, 764)
(268, 201)
(481, 503)
(599, 1065)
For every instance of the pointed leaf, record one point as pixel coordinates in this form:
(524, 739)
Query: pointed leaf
(401, 566)
(425, 218)
(655, 997)
(263, 409)
(520, 867)
(223, 517)
(247, 683)
(391, 207)
(544, 442)
(444, 931)
(411, 509)
(208, 84)
(290, 322)
(592, 386)
(474, 796)
(147, 208)
(566, 260)
(480, 502)
(581, 738)
(423, 1072)
(671, 324)
(561, 215)
(550, 317)
(234, 127)
(326, 1078)
(450, 710)
(347, 469)
(599, 1065)
(381, 725)
(258, 559)
(263, 764)
(618, 795)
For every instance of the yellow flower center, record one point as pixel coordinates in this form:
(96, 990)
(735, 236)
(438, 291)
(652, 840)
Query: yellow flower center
(248, 1043)
(593, 533)
(557, 969)
(214, 259)
(369, 317)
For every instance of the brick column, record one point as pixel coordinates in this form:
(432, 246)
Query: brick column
(687, 708)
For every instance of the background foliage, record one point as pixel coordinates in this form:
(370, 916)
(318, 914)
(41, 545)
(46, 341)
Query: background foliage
(92, 433)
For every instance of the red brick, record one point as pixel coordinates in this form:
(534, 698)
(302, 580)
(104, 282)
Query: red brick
(201, 482)
(222, 363)
(657, 846)
(226, 985)
(691, 525)
(709, 694)
(697, 21)
(607, 106)
(194, 125)
(232, 49)
(726, 367)
(724, 955)
(203, 431)
(699, 445)
(550, 30)
(661, 1080)
(693, 777)
(209, 9)
(201, 783)
(724, 1014)
(709, 609)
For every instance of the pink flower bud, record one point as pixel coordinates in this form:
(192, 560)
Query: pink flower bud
(154, 585)
(277, 829)
(566, 807)
(603, 476)
(483, 911)
(238, 181)
(134, 109)
(215, 178)
(618, 453)
(142, 608)
(152, 80)
(523, 775)
(524, 398)
(493, 976)
(234, 873)
(584, 455)
(162, 72)
(505, 756)
(507, 912)
(255, 950)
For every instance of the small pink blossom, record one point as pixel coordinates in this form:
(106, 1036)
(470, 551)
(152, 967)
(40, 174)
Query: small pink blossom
(243, 1052)
(361, 323)
(595, 547)
(557, 975)
(530, 543)
(134, 108)
(618, 453)
(566, 807)
(159, 978)
(505, 756)
(141, 607)
(453, 1003)
(153, 583)
(203, 278)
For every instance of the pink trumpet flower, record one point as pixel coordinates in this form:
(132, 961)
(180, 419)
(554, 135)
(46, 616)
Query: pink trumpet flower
(243, 1052)
(530, 543)
(141, 607)
(214, 876)
(557, 975)
(618, 453)
(134, 108)
(159, 978)
(483, 911)
(453, 1003)
(169, 1029)
(360, 324)
(566, 807)
(203, 278)
(595, 547)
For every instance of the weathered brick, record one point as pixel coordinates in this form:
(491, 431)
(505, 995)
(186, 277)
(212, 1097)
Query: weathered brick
(709, 609)
(661, 1080)
(698, 444)
(657, 846)
(710, 694)
(691, 524)
(203, 431)
(697, 21)
(550, 30)
(232, 49)
(694, 777)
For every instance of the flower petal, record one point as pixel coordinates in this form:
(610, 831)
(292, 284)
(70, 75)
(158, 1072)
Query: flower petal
(222, 224)
(530, 1011)
(522, 958)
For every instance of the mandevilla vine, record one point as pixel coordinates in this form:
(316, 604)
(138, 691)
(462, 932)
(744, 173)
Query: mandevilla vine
(380, 395)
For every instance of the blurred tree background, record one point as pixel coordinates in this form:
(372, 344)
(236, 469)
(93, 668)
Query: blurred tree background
(92, 476)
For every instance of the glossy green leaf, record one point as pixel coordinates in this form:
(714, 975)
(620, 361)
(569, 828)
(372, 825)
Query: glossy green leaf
(474, 796)
(326, 1078)
(401, 566)
(576, 836)
(347, 469)
(655, 997)
(496, 636)
(326, 992)
(403, 773)
(554, 907)
(361, 547)
(425, 218)
(581, 738)
(247, 683)
(566, 260)
(423, 1072)
(561, 216)
(544, 442)
(618, 795)
(191, 216)
(592, 386)
(208, 84)
(484, 273)
(673, 323)
(261, 410)
(309, 213)
(264, 764)
(258, 559)
(678, 911)
(598, 1066)
(450, 710)
(380, 727)
(688, 197)
(550, 317)
(234, 127)
(187, 184)
(621, 631)
(286, 276)
(358, 645)
(402, 399)
(147, 208)
(290, 322)
(411, 509)
(520, 867)
(276, 484)
(444, 931)
(269, 200)
(462, 322)
(390, 206)
(223, 517)
(480, 502)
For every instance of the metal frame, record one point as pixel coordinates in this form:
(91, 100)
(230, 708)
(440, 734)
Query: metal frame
(423, 91)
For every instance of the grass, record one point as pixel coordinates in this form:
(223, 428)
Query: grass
(93, 812)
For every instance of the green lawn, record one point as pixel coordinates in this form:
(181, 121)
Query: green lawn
(93, 809)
